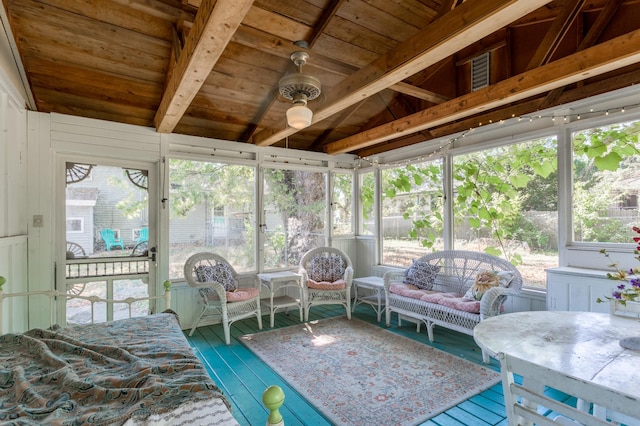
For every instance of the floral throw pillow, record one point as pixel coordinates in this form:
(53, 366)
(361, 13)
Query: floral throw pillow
(220, 273)
(422, 275)
(326, 268)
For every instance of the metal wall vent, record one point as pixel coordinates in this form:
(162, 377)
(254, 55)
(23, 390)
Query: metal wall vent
(480, 71)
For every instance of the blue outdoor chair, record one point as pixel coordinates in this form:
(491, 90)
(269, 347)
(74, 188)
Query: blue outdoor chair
(143, 235)
(110, 240)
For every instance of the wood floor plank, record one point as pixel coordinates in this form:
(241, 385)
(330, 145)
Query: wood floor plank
(243, 377)
(489, 404)
(466, 418)
(480, 411)
(445, 419)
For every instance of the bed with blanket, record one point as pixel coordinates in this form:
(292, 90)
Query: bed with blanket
(133, 371)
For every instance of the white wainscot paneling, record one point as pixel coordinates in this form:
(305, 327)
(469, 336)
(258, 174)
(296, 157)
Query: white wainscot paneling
(527, 300)
(98, 137)
(186, 302)
(347, 245)
(13, 266)
(577, 289)
(365, 259)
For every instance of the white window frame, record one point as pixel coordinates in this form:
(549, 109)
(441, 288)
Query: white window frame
(70, 219)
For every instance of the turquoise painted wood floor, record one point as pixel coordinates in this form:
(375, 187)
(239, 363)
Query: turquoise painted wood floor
(243, 377)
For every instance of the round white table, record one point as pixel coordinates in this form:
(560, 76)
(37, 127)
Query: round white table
(582, 344)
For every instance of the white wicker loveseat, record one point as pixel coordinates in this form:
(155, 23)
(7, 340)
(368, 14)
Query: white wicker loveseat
(446, 299)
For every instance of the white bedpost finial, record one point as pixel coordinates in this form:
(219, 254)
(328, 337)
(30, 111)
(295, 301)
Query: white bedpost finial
(3, 280)
(273, 398)
(167, 294)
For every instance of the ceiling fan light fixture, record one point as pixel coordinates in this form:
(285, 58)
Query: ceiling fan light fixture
(299, 116)
(300, 88)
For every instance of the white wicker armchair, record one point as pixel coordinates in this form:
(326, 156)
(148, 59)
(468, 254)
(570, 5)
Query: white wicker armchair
(217, 283)
(327, 274)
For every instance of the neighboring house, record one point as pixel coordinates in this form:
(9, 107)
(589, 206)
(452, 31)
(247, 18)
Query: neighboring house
(92, 205)
(80, 209)
(94, 201)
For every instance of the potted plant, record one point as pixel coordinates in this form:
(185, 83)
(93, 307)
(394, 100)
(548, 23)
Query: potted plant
(625, 299)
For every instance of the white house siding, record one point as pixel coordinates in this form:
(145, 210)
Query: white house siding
(84, 239)
(105, 213)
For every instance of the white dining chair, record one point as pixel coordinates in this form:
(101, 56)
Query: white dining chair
(527, 403)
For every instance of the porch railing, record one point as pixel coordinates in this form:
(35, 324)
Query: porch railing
(79, 269)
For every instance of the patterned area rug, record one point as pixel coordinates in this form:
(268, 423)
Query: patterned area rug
(360, 374)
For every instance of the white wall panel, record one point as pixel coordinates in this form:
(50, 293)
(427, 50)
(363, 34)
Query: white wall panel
(577, 289)
(365, 257)
(13, 266)
(103, 138)
(14, 130)
(13, 202)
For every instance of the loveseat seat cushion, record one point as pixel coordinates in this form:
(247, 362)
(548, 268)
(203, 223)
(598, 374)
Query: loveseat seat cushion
(326, 285)
(408, 290)
(437, 296)
(461, 304)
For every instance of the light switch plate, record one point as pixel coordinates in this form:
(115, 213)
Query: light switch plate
(38, 221)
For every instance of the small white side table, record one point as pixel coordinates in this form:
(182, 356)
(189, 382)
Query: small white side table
(369, 290)
(275, 282)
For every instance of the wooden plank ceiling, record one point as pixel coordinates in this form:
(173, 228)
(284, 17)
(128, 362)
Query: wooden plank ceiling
(393, 72)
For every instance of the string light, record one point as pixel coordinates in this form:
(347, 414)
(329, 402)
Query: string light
(442, 147)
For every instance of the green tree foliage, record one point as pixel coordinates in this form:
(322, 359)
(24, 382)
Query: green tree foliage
(135, 201)
(342, 203)
(605, 165)
(421, 188)
(491, 186)
(494, 187)
(215, 184)
(300, 199)
(490, 189)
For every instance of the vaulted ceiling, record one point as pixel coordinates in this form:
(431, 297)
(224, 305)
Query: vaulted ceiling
(393, 72)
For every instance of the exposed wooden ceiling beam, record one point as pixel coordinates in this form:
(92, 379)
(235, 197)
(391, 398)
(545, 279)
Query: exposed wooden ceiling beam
(255, 123)
(556, 33)
(157, 8)
(215, 24)
(455, 127)
(340, 118)
(325, 19)
(608, 56)
(589, 40)
(273, 45)
(450, 33)
(509, 111)
(495, 46)
(419, 93)
(446, 7)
